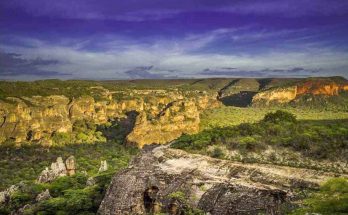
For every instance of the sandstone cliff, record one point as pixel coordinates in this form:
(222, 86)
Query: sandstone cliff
(37, 118)
(157, 175)
(176, 118)
(323, 87)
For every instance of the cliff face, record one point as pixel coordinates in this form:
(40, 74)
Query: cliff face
(310, 87)
(177, 118)
(321, 88)
(37, 118)
(280, 95)
(215, 186)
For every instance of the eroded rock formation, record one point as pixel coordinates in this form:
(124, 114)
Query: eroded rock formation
(37, 118)
(177, 118)
(70, 164)
(216, 186)
(58, 169)
(324, 87)
(103, 166)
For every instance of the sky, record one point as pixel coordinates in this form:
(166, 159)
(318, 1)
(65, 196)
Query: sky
(159, 39)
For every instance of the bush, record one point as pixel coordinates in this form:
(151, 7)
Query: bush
(18, 199)
(279, 116)
(331, 199)
(58, 186)
(217, 153)
(246, 129)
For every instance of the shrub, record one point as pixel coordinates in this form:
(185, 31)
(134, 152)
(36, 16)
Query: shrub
(246, 129)
(61, 138)
(18, 199)
(79, 200)
(279, 116)
(217, 153)
(58, 186)
(178, 195)
(331, 199)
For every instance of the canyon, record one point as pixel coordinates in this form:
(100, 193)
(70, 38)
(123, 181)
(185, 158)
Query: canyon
(161, 115)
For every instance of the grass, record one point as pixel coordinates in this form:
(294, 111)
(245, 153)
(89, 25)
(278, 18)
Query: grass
(230, 116)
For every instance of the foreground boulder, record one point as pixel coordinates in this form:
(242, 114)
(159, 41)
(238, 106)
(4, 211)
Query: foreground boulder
(159, 175)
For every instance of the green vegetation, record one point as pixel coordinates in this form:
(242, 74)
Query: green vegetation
(332, 198)
(78, 88)
(323, 139)
(181, 198)
(230, 116)
(26, 162)
(336, 103)
(70, 194)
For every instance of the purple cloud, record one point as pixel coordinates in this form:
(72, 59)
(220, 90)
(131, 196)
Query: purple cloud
(13, 65)
(113, 37)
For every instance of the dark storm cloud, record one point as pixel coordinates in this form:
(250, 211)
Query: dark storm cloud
(11, 64)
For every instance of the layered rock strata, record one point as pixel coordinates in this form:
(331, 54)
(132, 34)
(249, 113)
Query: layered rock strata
(215, 186)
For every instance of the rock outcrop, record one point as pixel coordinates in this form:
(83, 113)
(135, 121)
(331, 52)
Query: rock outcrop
(103, 166)
(215, 186)
(6, 194)
(45, 195)
(58, 169)
(70, 164)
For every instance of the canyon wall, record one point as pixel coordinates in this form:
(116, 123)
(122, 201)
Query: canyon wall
(311, 87)
(167, 113)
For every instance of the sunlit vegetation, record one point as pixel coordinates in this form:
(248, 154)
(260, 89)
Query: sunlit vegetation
(231, 116)
(319, 139)
(332, 198)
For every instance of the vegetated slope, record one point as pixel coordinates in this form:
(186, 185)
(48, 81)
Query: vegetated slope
(279, 139)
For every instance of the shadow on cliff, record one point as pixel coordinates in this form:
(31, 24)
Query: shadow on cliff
(242, 99)
(120, 127)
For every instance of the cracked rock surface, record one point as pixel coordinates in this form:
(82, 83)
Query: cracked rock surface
(214, 186)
